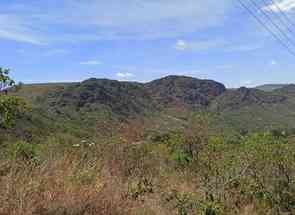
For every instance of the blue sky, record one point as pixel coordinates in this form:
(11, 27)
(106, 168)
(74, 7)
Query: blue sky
(141, 40)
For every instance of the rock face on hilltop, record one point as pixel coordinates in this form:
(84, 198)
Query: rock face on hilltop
(234, 99)
(122, 98)
(130, 98)
(189, 91)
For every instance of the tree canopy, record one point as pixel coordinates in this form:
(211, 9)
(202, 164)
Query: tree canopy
(11, 107)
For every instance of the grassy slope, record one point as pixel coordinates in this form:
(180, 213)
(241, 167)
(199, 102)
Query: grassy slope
(253, 110)
(257, 117)
(40, 123)
(33, 91)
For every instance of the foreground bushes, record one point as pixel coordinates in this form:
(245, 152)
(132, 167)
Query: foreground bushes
(172, 173)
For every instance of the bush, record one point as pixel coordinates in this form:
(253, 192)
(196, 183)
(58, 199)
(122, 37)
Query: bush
(188, 203)
(263, 138)
(10, 109)
(22, 150)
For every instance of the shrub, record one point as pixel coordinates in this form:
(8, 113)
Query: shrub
(140, 188)
(188, 203)
(22, 150)
(10, 109)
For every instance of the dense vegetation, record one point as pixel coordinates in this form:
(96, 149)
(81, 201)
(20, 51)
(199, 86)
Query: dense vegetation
(173, 146)
(192, 171)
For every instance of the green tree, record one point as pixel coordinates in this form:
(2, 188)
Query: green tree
(11, 107)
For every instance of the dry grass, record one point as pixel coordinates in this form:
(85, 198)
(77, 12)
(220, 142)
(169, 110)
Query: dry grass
(76, 180)
(68, 184)
(122, 178)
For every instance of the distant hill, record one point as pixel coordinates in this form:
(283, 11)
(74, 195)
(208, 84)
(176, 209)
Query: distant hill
(253, 109)
(235, 99)
(270, 87)
(287, 90)
(92, 100)
(94, 95)
(131, 98)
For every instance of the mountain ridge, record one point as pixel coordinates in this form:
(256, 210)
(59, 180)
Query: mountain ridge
(95, 98)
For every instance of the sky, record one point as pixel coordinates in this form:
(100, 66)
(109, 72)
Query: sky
(142, 40)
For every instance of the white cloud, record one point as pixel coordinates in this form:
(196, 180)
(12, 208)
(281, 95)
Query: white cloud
(182, 45)
(91, 62)
(20, 37)
(244, 47)
(14, 27)
(219, 45)
(124, 75)
(108, 19)
(284, 5)
(248, 83)
(46, 52)
(148, 72)
(192, 73)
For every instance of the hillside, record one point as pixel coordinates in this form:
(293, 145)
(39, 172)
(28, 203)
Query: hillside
(270, 87)
(94, 95)
(37, 91)
(253, 109)
(128, 99)
(242, 97)
(287, 90)
(171, 99)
